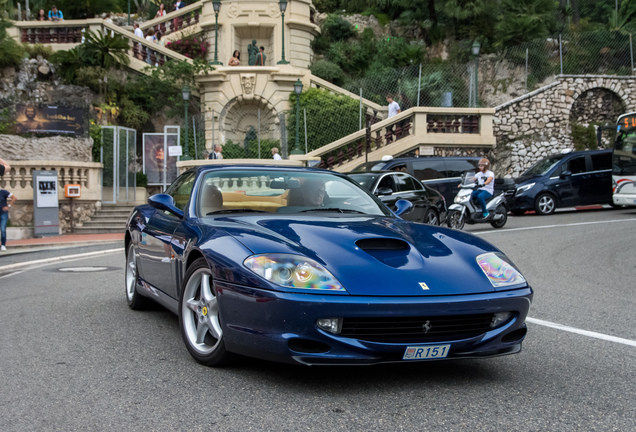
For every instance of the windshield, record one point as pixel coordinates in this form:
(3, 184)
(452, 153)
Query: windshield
(365, 180)
(624, 161)
(245, 190)
(468, 178)
(544, 165)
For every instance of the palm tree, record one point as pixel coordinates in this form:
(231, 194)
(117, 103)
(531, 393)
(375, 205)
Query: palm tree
(105, 50)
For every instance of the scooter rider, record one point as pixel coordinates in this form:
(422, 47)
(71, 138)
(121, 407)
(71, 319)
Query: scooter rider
(486, 179)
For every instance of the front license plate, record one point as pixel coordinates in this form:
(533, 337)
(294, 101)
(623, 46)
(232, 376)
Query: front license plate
(426, 352)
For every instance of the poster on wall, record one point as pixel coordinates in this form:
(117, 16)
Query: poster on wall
(49, 119)
(46, 191)
(156, 158)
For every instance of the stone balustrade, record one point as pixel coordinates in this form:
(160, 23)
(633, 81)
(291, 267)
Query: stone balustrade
(187, 17)
(415, 127)
(19, 179)
(65, 35)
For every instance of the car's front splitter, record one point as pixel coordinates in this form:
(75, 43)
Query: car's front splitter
(283, 326)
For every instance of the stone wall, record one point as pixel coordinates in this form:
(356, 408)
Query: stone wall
(21, 214)
(538, 123)
(53, 148)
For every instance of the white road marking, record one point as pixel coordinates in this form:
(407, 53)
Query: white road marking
(47, 261)
(582, 332)
(552, 226)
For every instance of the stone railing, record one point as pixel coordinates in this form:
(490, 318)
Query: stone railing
(19, 179)
(187, 17)
(415, 127)
(64, 35)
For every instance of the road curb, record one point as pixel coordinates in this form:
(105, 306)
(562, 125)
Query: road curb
(45, 261)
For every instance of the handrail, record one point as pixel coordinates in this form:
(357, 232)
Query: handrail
(173, 22)
(407, 130)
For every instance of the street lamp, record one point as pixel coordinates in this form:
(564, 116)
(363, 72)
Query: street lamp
(476, 47)
(185, 92)
(282, 4)
(128, 12)
(298, 89)
(216, 4)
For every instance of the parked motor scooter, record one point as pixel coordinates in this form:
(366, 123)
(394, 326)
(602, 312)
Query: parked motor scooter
(465, 210)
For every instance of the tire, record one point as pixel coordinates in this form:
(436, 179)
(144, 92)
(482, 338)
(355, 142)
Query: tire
(455, 220)
(545, 204)
(199, 318)
(501, 210)
(135, 300)
(431, 217)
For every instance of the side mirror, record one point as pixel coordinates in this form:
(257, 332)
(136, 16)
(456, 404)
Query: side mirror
(165, 202)
(383, 191)
(565, 174)
(403, 207)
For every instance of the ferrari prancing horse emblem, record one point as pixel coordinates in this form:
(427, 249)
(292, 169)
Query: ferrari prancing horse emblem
(424, 286)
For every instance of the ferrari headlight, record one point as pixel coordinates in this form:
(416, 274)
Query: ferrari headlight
(499, 270)
(293, 271)
(524, 188)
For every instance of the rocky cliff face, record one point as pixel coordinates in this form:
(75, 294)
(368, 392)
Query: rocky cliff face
(54, 148)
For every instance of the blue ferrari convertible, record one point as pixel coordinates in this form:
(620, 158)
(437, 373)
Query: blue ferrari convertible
(305, 266)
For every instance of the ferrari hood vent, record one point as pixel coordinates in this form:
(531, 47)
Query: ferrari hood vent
(382, 244)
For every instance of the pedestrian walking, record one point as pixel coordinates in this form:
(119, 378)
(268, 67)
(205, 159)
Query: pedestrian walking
(6, 201)
(275, 154)
(394, 107)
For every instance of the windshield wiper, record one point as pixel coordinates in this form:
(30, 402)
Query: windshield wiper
(243, 210)
(332, 209)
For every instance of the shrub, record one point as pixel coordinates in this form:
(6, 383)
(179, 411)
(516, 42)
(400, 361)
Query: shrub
(337, 28)
(35, 50)
(584, 137)
(329, 71)
(11, 52)
(329, 117)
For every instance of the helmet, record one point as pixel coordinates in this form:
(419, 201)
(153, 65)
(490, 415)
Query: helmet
(484, 161)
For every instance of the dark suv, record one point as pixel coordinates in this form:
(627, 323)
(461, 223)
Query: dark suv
(562, 180)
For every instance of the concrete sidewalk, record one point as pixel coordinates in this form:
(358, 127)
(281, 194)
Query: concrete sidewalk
(32, 244)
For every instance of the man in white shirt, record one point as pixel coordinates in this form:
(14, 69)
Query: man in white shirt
(138, 31)
(486, 179)
(275, 154)
(394, 108)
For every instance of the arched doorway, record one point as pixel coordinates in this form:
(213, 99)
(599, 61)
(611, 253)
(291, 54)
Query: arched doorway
(597, 106)
(243, 121)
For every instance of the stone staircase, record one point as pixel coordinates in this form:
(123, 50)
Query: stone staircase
(111, 218)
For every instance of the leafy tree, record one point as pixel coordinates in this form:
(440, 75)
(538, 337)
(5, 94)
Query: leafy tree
(328, 71)
(522, 21)
(68, 62)
(11, 52)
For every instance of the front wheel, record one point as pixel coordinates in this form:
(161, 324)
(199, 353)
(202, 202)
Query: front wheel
(199, 317)
(455, 219)
(545, 204)
(431, 217)
(500, 217)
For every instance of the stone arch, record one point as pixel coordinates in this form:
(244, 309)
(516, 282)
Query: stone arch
(596, 104)
(241, 113)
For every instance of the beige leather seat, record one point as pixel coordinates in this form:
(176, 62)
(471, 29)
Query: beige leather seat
(211, 199)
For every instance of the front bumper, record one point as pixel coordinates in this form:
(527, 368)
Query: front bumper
(624, 199)
(282, 326)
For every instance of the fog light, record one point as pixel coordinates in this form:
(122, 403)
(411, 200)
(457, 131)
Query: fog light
(500, 318)
(332, 325)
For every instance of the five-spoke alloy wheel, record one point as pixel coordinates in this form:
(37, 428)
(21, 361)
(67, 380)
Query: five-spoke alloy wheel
(545, 204)
(135, 300)
(199, 316)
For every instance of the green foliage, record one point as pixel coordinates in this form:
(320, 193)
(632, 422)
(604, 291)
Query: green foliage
(132, 115)
(336, 28)
(233, 150)
(328, 71)
(95, 132)
(326, 6)
(11, 52)
(323, 108)
(105, 50)
(35, 50)
(141, 179)
(68, 63)
(73, 9)
(523, 20)
(7, 123)
(584, 137)
(597, 52)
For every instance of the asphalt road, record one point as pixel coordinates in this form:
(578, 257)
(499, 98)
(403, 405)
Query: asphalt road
(75, 357)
